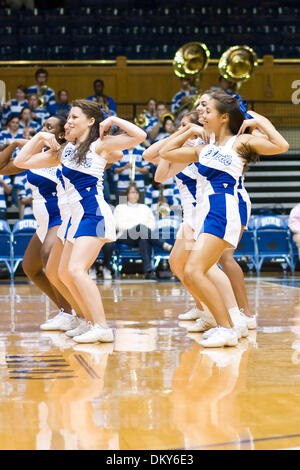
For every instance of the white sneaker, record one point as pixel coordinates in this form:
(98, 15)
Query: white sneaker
(83, 327)
(251, 321)
(220, 337)
(63, 322)
(192, 314)
(202, 324)
(240, 328)
(106, 274)
(96, 333)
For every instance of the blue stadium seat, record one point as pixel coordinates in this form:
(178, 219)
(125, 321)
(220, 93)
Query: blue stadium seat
(6, 246)
(167, 233)
(273, 241)
(125, 254)
(23, 231)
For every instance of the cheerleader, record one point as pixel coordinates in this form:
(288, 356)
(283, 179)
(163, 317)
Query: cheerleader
(186, 179)
(91, 225)
(217, 222)
(46, 210)
(229, 265)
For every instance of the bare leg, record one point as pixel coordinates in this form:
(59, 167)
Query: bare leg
(33, 268)
(52, 274)
(236, 276)
(47, 245)
(180, 253)
(81, 256)
(206, 253)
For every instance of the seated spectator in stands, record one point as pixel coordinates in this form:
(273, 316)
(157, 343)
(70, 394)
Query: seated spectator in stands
(135, 223)
(14, 106)
(150, 111)
(62, 105)
(27, 121)
(225, 85)
(167, 128)
(158, 192)
(155, 124)
(28, 132)
(39, 113)
(12, 132)
(187, 90)
(5, 189)
(126, 171)
(107, 102)
(294, 225)
(45, 94)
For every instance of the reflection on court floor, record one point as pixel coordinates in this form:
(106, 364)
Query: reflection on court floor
(155, 387)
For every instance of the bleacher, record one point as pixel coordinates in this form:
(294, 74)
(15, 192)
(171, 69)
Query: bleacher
(147, 30)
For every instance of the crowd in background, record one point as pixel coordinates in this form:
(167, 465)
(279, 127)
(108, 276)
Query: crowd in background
(24, 115)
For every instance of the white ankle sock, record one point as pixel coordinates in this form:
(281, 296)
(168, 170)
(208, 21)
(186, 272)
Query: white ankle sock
(235, 314)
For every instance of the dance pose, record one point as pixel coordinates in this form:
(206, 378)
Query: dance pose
(91, 225)
(186, 179)
(46, 209)
(217, 224)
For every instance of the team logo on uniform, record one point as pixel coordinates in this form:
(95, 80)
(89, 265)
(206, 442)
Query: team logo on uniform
(213, 154)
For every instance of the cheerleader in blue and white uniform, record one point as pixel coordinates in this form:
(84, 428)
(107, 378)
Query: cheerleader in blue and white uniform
(43, 183)
(217, 223)
(91, 225)
(187, 183)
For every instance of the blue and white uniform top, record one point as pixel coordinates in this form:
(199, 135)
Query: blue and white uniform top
(43, 184)
(24, 192)
(123, 179)
(63, 204)
(90, 214)
(217, 212)
(244, 202)
(186, 181)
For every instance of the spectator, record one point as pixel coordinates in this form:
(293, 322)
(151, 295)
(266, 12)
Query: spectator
(155, 125)
(12, 132)
(167, 128)
(44, 93)
(5, 189)
(135, 223)
(294, 225)
(187, 90)
(15, 105)
(27, 121)
(62, 105)
(157, 192)
(105, 101)
(39, 114)
(124, 169)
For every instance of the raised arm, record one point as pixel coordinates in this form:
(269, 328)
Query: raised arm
(132, 136)
(166, 170)
(271, 143)
(175, 151)
(7, 165)
(31, 155)
(152, 152)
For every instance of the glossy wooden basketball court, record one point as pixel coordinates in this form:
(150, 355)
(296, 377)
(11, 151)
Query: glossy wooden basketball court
(155, 387)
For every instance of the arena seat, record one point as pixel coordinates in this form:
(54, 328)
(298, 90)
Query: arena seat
(273, 242)
(6, 246)
(23, 231)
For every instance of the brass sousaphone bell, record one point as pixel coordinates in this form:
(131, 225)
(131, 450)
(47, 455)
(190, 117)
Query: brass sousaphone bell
(237, 64)
(190, 61)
